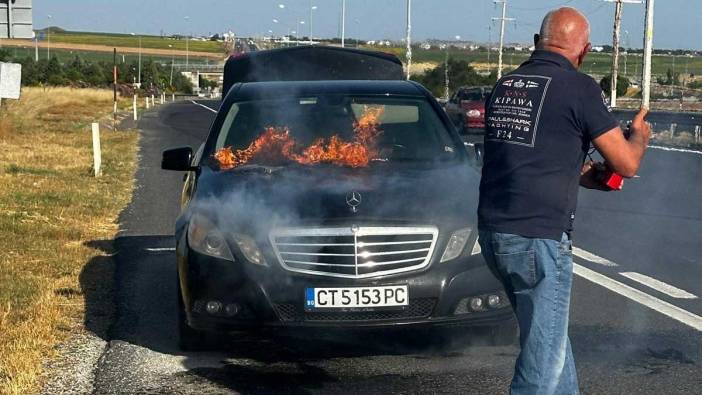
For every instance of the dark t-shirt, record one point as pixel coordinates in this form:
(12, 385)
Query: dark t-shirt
(539, 122)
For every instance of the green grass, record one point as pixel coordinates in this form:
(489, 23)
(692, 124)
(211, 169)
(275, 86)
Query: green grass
(51, 207)
(595, 63)
(127, 40)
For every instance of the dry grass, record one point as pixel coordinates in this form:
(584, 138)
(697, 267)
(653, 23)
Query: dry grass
(50, 208)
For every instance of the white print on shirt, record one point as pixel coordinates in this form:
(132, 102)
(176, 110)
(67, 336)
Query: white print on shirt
(605, 101)
(515, 109)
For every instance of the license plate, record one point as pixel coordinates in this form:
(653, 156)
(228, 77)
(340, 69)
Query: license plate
(356, 297)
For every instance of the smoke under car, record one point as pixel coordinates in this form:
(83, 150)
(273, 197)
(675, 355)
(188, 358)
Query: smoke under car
(335, 204)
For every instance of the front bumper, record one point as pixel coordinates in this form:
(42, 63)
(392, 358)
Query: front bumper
(274, 297)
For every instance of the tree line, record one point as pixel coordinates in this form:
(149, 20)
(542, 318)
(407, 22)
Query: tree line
(460, 73)
(78, 72)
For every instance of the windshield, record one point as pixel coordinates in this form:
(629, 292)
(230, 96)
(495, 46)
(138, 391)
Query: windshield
(332, 129)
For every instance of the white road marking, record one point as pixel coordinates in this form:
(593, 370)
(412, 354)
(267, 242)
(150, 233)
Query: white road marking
(468, 144)
(204, 106)
(689, 151)
(659, 286)
(588, 256)
(663, 307)
(160, 249)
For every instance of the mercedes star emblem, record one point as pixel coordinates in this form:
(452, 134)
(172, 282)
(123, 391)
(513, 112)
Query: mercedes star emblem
(353, 199)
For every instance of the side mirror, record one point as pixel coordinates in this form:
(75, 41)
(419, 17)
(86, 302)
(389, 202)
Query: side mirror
(178, 159)
(479, 149)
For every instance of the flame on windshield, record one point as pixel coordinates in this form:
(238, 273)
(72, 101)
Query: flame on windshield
(275, 145)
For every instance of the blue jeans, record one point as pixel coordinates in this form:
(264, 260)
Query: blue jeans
(537, 275)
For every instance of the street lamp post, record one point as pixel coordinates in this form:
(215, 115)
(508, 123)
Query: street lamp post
(409, 37)
(172, 65)
(48, 38)
(358, 31)
(343, 22)
(139, 82)
(446, 72)
(488, 46)
(187, 44)
(299, 31)
(312, 8)
(626, 53)
(282, 7)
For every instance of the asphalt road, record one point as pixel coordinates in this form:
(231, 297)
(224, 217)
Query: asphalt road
(662, 120)
(623, 336)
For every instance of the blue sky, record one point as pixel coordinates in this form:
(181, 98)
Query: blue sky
(676, 22)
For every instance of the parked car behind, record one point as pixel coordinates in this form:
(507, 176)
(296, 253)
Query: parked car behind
(466, 109)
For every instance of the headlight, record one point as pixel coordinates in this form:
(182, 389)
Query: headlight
(249, 249)
(205, 238)
(473, 114)
(456, 244)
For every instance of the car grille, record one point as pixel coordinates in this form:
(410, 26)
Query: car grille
(417, 308)
(354, 252)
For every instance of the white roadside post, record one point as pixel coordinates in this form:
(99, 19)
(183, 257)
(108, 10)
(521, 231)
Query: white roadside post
(97, 153)
(146, 100)
(172, 96)
(134, 107)
(153, 102)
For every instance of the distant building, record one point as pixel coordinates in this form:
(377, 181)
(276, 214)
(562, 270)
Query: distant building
(597, 49)
(425, 46)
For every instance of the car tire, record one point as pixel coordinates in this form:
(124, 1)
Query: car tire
(506, 334)
(190, 339)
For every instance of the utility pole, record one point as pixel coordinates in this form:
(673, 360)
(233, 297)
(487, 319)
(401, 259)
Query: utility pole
(648, 51)
(618, 7)
(343, 22)
(446, 76)
(409, 37)
(626, 54)
(502, 20)
(488, 46)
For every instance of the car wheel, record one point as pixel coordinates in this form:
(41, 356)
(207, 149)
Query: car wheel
(190, 339)
(506, 334)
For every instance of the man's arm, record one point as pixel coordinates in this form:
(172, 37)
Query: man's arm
(621, 155)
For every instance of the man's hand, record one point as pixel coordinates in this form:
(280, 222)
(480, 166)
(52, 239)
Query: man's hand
(624, 156)
(589, 176)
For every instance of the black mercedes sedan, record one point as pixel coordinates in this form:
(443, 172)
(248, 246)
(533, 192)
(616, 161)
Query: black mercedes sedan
(331, 204)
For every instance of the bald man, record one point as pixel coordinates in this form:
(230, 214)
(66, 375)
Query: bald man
(540, 122)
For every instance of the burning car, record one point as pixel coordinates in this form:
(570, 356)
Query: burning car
(466, 109)
(332, 204)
